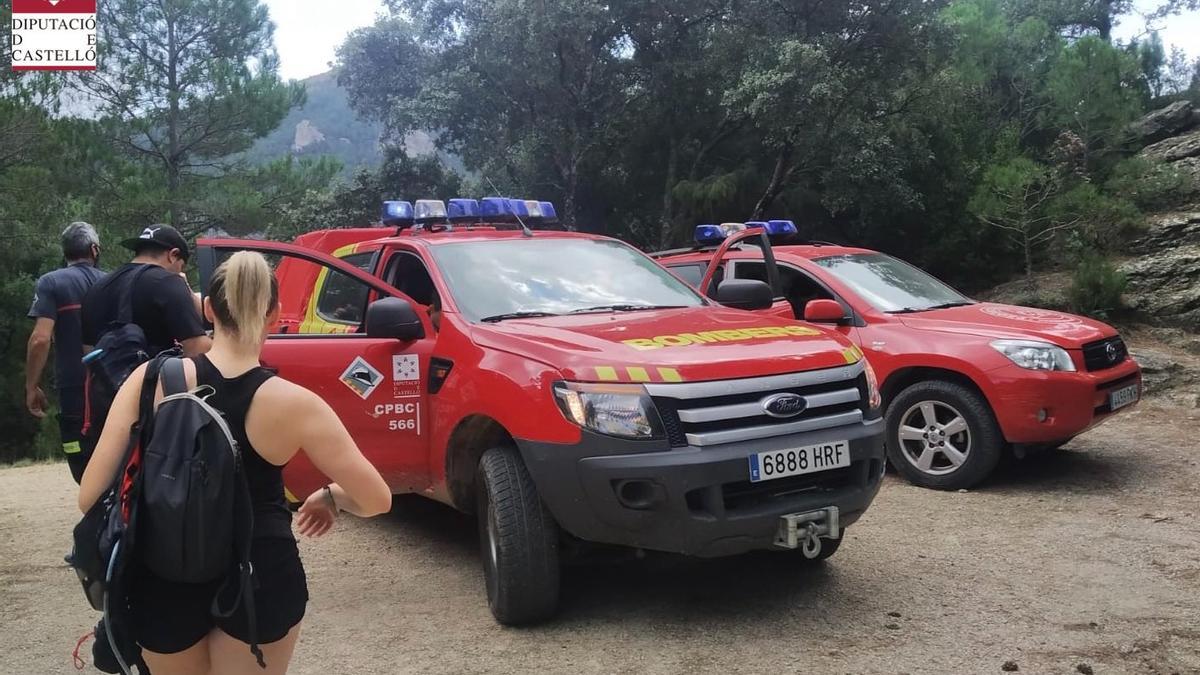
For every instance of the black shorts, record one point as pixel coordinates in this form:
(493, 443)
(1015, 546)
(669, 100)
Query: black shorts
(169, 617)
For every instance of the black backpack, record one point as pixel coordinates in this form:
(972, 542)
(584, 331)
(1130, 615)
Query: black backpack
(180, 503)
(105, 538)
(196, 520)
(122, 347)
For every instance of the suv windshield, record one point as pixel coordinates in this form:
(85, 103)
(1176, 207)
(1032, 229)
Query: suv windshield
(506, 279)
(891, 285)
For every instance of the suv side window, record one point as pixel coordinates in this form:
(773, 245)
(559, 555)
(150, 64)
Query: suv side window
(693, 274)
(798, 287)
(343, 300)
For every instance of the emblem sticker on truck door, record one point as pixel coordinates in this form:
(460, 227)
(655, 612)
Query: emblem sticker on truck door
(362, 378)
(406, 375)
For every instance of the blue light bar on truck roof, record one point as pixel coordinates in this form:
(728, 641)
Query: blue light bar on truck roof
(396, 213)
(462, 210)
(534, 208)
(495, 208)
(518, 208)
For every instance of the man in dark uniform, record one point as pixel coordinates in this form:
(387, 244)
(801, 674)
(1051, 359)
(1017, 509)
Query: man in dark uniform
(56, 313)
(163, 305)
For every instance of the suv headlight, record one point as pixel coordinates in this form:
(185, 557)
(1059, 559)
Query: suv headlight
(619, 410)
(1035, 355)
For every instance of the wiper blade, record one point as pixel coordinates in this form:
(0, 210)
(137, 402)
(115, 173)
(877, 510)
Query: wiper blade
(944, 305)
(516, 315)
(624, 308)
(948, 305)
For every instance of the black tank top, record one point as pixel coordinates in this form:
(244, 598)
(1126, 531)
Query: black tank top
(233, 396)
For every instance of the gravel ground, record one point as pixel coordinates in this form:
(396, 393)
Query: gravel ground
(1082, 560)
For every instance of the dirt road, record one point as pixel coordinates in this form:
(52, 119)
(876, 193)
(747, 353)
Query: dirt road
(1088, 556)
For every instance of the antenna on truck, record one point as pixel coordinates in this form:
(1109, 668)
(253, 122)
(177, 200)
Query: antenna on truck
(524, 228)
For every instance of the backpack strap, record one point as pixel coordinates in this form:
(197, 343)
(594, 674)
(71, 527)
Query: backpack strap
(125, 309)
(174, 377)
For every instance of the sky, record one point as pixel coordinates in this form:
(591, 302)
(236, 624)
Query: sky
(307, 32)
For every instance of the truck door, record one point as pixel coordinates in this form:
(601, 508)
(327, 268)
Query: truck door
(798, 289)
(374, 384)
(718, 268)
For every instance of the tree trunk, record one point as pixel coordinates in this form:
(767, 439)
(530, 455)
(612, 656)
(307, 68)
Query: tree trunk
(783, 168)
(668, 205)
(1028, 262)
(171, 161)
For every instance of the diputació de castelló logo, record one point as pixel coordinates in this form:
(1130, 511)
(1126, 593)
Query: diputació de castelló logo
(53, 35)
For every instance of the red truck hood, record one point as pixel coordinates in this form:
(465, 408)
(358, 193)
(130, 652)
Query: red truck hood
(704, 343)
(995, 321)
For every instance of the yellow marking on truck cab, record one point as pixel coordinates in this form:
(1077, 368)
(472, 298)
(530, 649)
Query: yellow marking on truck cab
(638, 374)
(852, 355)
(670, 375)
(606, 373)
(313, 323)
(727, 335)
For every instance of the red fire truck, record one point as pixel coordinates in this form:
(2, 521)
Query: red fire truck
(567, 389)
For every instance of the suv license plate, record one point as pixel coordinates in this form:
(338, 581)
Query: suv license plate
(1119, 398)
(797, 461)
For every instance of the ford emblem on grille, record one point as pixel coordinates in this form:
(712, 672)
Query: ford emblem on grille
(784, 405)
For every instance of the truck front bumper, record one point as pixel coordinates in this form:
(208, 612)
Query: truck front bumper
(691, 500)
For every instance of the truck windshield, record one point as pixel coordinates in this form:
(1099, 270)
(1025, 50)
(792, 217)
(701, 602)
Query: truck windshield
(891, 285)
(538, 277)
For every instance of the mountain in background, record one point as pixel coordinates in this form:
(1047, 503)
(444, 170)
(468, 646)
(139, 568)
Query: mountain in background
(327, 125)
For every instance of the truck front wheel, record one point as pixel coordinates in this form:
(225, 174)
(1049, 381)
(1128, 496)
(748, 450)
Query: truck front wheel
(942, 435)
(518, 540)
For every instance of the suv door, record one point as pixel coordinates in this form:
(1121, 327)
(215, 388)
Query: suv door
(375, 385)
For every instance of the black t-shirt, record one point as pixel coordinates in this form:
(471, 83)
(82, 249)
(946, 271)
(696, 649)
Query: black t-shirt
(58, 296)
(163, 305)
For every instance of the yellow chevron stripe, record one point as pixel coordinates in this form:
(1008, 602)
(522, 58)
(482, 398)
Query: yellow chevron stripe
(606, 373)
(638, 374)
(670, 375)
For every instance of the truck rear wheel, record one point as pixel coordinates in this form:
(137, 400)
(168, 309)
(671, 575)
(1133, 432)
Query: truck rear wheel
(518, 540)
(942, 435)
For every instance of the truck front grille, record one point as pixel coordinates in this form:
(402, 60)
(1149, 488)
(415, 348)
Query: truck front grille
(729, 411)
(1104, 353)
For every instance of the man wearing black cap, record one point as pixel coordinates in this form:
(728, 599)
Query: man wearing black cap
(55, 310)
(163, 304)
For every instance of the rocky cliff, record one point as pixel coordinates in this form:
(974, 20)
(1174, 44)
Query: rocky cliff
(1164, 271)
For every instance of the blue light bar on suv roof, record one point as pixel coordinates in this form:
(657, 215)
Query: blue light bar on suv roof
(710, 235)
(781, 228)
(549, 215)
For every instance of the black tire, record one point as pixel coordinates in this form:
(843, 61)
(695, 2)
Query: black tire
(518, 541)
(984, 442)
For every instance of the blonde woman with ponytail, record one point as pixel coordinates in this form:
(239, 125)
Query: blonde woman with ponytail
(271, 419)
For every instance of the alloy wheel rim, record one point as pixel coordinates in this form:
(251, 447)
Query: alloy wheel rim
(934, 437)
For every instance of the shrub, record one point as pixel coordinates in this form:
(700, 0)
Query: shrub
(1096, 286)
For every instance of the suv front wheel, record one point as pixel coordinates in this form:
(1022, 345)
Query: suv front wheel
(942, 435)
(518, 540)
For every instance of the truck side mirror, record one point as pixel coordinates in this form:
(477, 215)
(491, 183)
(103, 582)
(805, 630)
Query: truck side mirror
(749, 294)
(824, 311)
(395, 319)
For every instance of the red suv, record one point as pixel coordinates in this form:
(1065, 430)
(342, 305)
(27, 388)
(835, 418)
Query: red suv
(961, 380)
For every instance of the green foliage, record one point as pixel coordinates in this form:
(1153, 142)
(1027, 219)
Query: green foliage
(1091, 90)
(1146, 183)
(182, 85)
(1096, 287)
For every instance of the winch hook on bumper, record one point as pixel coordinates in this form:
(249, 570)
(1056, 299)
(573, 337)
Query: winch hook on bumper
(805, 530)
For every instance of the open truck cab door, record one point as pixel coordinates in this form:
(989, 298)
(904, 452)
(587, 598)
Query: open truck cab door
(743, 293)
(369, 370)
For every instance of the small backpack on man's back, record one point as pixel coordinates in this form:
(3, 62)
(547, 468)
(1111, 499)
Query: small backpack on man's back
(121, 348)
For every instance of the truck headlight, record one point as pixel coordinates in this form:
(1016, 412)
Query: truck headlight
(619, 410)
(1035, 355)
